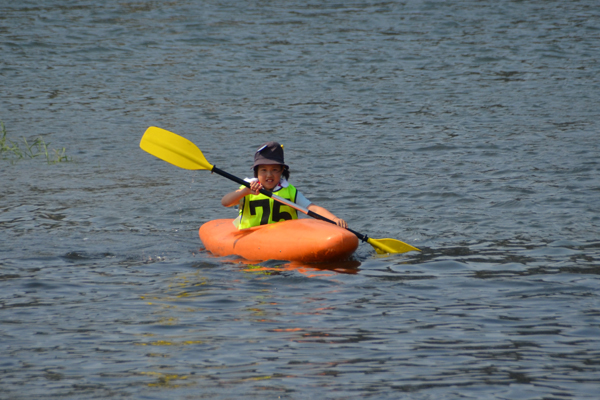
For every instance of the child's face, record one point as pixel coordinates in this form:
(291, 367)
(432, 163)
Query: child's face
(269, 175)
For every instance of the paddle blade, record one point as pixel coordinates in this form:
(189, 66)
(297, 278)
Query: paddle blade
(390, 246)
(173, 149)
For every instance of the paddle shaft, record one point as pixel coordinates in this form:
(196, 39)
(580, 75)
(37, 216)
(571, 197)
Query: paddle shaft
(270, 194)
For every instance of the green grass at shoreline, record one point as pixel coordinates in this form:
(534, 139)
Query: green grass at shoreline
(17, 150)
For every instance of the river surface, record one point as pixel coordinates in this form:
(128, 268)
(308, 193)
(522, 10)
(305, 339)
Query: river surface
(469, 129)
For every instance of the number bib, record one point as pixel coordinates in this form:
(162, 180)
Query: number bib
(261, 210)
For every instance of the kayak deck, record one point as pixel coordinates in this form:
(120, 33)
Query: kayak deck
(305, 240)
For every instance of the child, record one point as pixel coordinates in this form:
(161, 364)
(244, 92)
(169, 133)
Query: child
(270, 173)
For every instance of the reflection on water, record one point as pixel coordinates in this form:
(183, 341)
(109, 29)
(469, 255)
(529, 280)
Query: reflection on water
(308, 270)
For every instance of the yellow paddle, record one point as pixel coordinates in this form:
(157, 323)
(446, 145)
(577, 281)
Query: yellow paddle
(182, 153)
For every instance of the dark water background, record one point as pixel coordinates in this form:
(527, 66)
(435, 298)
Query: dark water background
(466, 128)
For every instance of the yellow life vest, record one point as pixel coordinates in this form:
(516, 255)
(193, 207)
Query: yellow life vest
(261, 210)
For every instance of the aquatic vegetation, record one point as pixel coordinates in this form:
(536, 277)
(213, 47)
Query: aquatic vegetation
(16, 150)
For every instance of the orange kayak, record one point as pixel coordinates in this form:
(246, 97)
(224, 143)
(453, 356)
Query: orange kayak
(305, 240)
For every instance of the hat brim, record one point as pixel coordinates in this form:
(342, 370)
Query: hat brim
(268, 162)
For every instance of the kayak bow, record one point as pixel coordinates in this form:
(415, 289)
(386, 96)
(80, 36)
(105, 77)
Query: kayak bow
(305, 240)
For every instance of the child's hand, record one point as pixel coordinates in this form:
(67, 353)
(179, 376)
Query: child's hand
(341, 223)
(255, 187)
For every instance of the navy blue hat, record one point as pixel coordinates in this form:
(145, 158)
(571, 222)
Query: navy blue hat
(270, 153)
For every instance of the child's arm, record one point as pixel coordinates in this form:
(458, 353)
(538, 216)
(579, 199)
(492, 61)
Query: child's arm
(325, 213)
(233, 198)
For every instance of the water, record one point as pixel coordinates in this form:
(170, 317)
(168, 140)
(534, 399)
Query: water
(468, 129)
